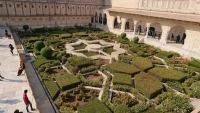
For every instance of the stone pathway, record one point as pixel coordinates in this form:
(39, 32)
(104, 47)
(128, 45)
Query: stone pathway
(12, 86)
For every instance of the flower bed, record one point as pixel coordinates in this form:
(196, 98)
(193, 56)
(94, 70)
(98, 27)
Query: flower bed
(122, 68)
(67, 81)
(164, 74)
(148, 85)
(123, 79)
(81, 46)
(94, 106)
(142, 63)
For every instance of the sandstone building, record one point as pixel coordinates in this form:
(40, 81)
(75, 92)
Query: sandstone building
(160, 17)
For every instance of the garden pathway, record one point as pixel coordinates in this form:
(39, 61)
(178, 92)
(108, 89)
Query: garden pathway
(12, 86)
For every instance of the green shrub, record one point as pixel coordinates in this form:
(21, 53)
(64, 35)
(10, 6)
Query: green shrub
(90, 24)
(122, 79)
(25, 34)
(140, 53)
(88, 69)
(52, 88)
(89, 82)
(139, 108)
(25, 27)
(36, 52)
(135, 39)
(173, 103)
(104, 99)
(148, 85)
(164, 54)
(56, 63)
(175, 85)
(152, 50)
(64, 59)
(53, 41)
(164, 74)
(39, 45)
(67, 81)
(81, 34)
(142, 63)
(194, 63)
(93, 106)
(33, 39)
(66, 35)
(125, 59)
(56, 35)
(64, 109)
(123, 35)
(125, 88)
(46, 52)
(80, 62)
(122, 108)
(196, 89)
(75, 70)
(122, 68)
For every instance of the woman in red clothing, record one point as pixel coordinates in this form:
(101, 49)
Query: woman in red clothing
(20, 71)
(26, 101)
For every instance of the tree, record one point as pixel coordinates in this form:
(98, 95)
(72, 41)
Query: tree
(123, 35)
(90, 25)
(25, 27)
(39, 45)
(46, 52)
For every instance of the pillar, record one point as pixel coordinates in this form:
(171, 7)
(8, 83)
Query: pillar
(165, 33)
(135, 27)
(123, 20)
(148, 26)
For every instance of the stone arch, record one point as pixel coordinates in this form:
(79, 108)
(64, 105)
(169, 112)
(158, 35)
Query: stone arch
(100, 17)
(96, 17)
(140, 26)
(117, 22)
(104, 19)
(155, 28)
(129, 24)
(177, 30)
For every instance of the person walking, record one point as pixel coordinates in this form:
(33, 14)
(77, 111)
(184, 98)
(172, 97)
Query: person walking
(0, 73)
(6, 33)
(22, 64)
(172, 37)
(11, 48)
(27, 102)
(178, 38)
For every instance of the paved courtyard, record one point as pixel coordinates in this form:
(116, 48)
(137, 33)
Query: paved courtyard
(12, 86)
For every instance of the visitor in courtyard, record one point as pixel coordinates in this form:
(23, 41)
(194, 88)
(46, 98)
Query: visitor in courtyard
(172, 37)
(0, 73)
(159, 36)
(178, 38)
(11, 48)
(183, 38)
(20, 69)
(145, 31)
(26, 101)
(17, 111)
(6, 33)
(22, 64)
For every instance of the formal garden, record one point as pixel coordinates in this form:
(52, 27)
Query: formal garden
(143, 79)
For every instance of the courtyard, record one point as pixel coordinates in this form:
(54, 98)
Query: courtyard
(80, 73)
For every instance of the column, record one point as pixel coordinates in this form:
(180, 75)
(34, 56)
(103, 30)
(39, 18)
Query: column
(123, 20)
(165, 33)
(148, 26)
(135, 27)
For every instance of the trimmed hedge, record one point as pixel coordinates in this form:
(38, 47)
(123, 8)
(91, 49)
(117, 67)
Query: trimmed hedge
(122, 79)
(33, 39)
(52, 88)
(56, 35)
(122, 108)
(164, 54)
(116, 67)
(194, 63)
(66, 35)
(42, 60)
(67, 81)
(148, 85)
(46, 52)
(88, 69)
(93, 106)
(80, 61)
(164, 74)
(53, 41)
(39, 45)
(142, 63)
(81, 34)
(36, 52)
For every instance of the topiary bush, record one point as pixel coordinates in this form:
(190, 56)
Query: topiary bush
(122, 108)
(135, 39)
(39, 45)
(123, 35)
(25, 27)
(46, 52)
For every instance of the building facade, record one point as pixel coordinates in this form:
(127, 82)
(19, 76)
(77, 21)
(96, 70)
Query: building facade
(156, 22)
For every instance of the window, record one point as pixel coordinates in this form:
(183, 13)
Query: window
(45, 6)
(51, 6)
(18, 5)
(10, 5)
(68, 7)
(39, 6)
(87, 7)
(1, 5)
(25, 6)
(78, 7)
(57, 7)
(63, 7)
(83, 7)
(73, 7)
(32, 6)
(12, 19)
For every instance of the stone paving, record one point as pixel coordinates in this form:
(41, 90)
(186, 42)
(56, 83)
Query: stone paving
(12, 86)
